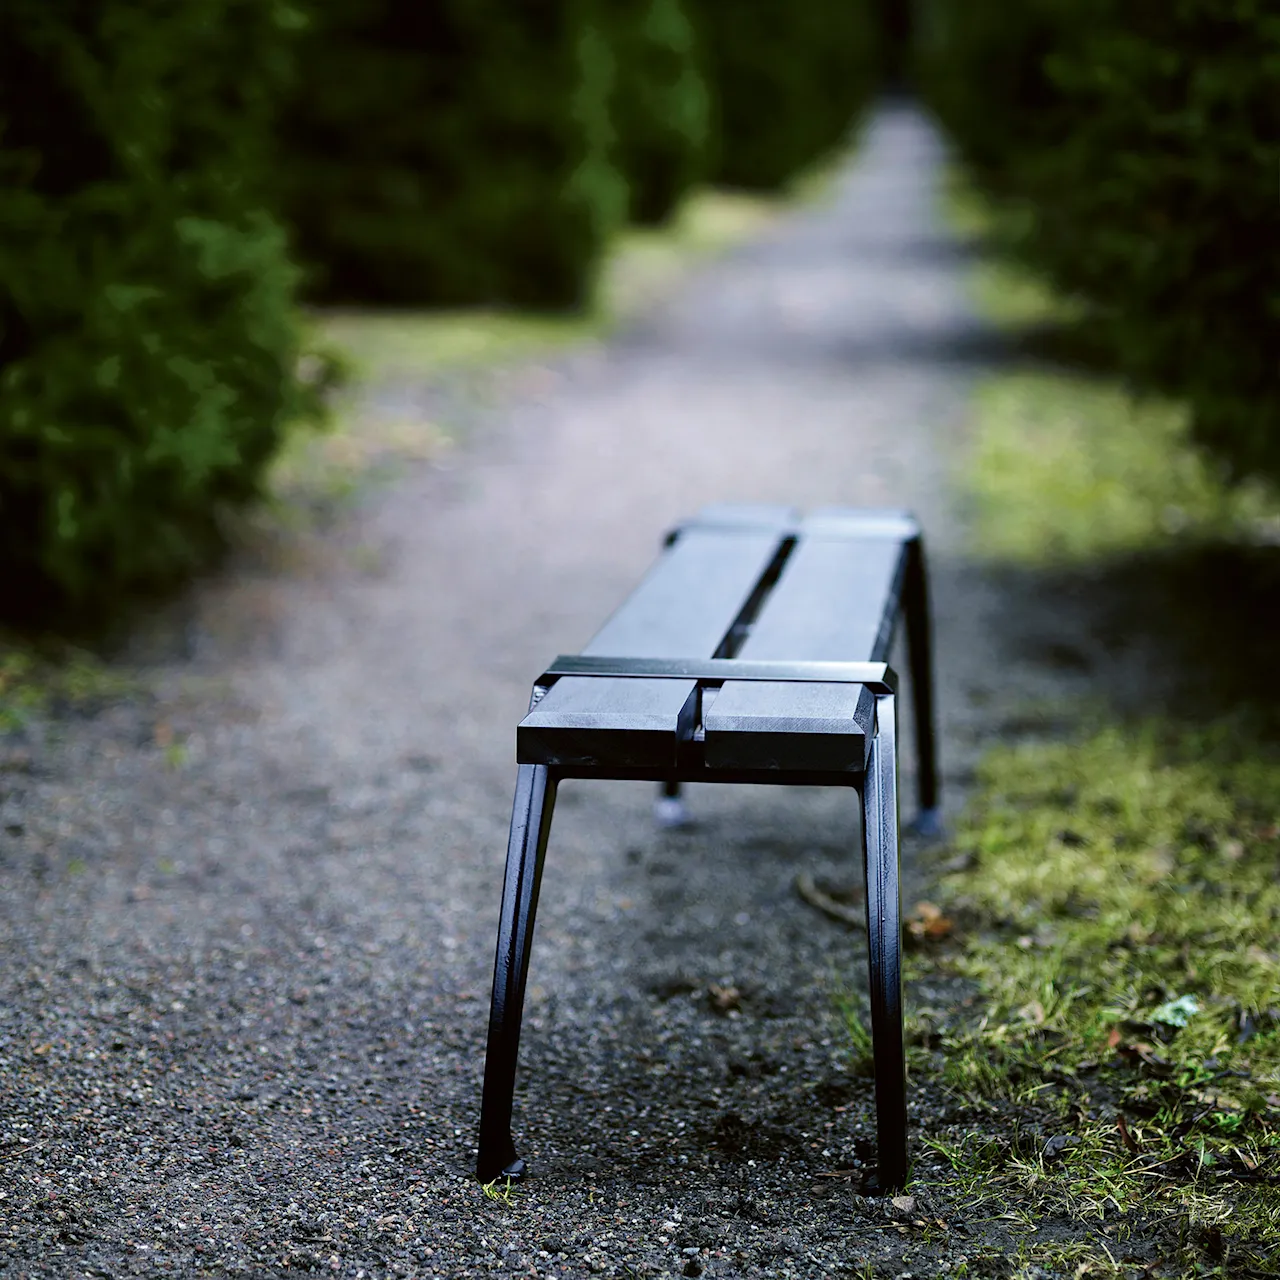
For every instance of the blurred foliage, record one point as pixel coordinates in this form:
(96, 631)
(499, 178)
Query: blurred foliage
(788, 80)
(61, 682)
(148, 344)
(451, 152)
(660, 109)
(1136, 149)
(442, 154)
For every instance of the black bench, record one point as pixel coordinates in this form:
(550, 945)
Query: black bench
(754, 650)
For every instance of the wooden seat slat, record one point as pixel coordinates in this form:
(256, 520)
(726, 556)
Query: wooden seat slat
(682, 609)
(817, 612)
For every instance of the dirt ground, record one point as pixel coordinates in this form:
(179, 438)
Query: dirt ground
(247, 917)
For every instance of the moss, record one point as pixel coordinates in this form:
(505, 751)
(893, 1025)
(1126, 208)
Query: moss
(1118, 912)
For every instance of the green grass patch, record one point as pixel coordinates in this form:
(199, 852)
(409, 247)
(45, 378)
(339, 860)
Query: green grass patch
(66, 680)
(1066, 463)
(1118, 911)
(1067, 466)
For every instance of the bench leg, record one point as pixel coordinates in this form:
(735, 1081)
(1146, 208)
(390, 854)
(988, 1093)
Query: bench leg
(669, 809)
(920, 656)
(884, 947)
(530, 826)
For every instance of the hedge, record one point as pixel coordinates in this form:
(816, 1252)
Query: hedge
(450, 152)
(148, 343)
(788, 79)
(1147, 185)
(660, 108)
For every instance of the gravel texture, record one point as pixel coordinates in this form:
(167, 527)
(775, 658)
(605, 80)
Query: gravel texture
(247, 918)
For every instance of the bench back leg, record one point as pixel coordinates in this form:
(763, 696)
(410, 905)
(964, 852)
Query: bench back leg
(530, 826)
(884, 947)
(669, 810)
(920, 658)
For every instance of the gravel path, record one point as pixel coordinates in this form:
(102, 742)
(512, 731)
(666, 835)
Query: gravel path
(244, 992)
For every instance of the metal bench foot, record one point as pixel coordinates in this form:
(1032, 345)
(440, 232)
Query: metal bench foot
(526, 849)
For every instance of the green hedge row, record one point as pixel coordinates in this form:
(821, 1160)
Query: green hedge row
(660, 109)
(788, 79)
(1140, 145)
(148, 343)
(451, 151)
(417, 151)
(468, 151)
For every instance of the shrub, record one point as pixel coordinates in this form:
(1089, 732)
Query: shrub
(660, 107)
(1160, 204)
(147, 335)
(451, 152)
(1140, 145)
(788, 78)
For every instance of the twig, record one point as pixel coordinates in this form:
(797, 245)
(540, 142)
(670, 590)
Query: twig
(825, 903)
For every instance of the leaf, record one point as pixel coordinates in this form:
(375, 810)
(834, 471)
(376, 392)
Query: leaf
(1176, 1013)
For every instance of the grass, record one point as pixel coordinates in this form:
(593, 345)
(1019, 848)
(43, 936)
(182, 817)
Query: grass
(1119, 914)
(1069, 466)
(1109, 1096)
(35, 683)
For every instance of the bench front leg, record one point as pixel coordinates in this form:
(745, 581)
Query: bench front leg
(530, 826)
(884, 946)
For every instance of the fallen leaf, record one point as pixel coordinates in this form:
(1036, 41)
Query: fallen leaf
(1129, 1140)
(927, 921)
(724, 998)
(1138, 1049)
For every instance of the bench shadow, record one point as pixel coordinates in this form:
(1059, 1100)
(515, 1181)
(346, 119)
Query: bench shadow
(1186, 631)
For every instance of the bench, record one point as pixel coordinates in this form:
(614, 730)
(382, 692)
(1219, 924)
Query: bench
(755, 650)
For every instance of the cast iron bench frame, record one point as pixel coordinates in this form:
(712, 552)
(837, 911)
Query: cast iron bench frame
(630, 708)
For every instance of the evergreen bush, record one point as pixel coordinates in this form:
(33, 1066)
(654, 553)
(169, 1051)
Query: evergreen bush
(449, 152)
(1140, 145)
(788, 79)
(660, 108)
(148, 343)
(1160, 203)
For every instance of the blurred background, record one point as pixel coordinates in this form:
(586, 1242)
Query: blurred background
(213, 213)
